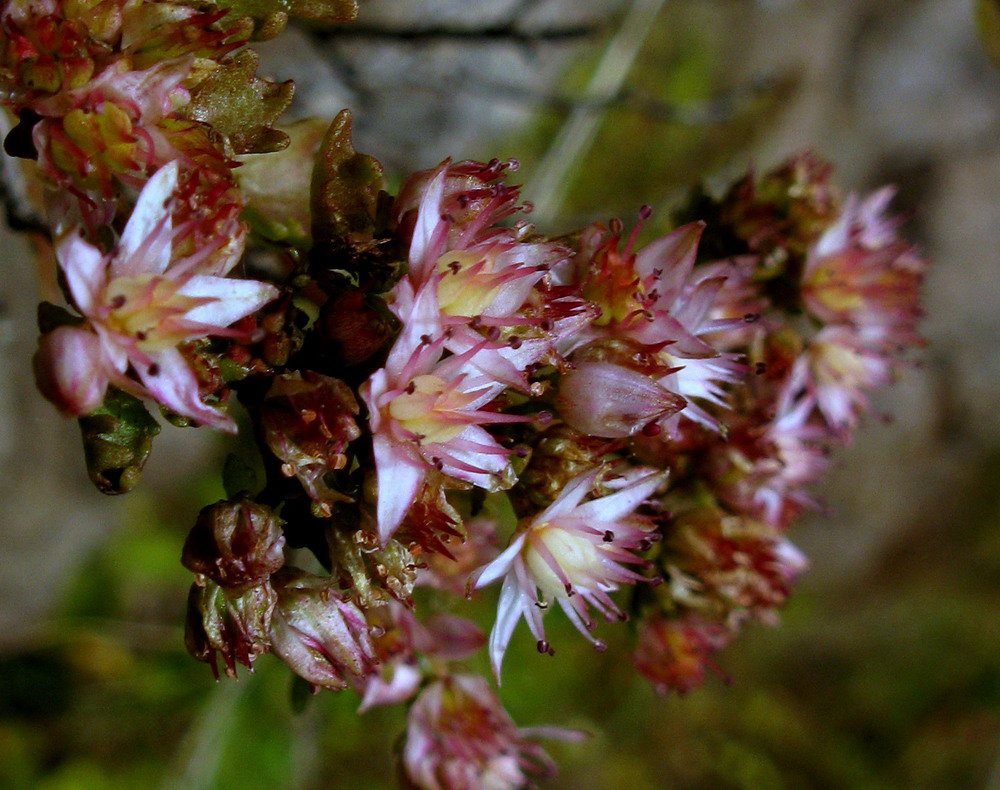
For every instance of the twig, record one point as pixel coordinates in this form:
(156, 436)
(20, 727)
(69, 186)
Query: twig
(547, 189)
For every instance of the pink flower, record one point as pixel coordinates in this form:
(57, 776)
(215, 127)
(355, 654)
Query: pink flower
(861, 273)
(838, 369)
(398, 637)
(656, 299)
(459, 737)
(139, 303)
(573, 552)
(479, 269)
(426, 412)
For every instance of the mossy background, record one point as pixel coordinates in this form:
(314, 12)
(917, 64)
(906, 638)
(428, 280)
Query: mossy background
(885, 671)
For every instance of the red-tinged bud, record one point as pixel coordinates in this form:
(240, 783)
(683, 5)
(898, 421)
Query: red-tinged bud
(233, 625)
(318, 634)
(611, 401)
(308, 421)
(237, 544)
(674, 653)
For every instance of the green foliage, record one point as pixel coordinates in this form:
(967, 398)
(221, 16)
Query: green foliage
(271, 16)
(238, 477)
(276, 185)
(345, 186)
(240, 106)
(117, 440)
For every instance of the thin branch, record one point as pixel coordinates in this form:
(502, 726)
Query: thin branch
(504, 33)
(199, 754)
(547, 189)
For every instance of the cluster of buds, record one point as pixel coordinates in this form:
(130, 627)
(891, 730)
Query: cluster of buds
(440, 396)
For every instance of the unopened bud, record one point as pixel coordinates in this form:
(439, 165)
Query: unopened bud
(117, 440)
(237, 544)
(234, 625)
(318, 634)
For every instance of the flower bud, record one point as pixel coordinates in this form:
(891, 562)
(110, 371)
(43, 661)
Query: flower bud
(319, 635)
(237, 544)
(612, 401)
(233, 624)
(63, 371)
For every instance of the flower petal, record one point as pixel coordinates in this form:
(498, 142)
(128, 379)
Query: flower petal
(399, 481)
(171, 382)
(232, 299)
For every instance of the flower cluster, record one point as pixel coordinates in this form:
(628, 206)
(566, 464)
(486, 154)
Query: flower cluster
(441, 396)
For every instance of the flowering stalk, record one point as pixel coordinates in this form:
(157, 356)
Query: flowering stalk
(440, 395)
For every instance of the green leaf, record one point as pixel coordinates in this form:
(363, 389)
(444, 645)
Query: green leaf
(241, 106)
(277, 185)
(117, 440)
(271, 15)
(988, 21)
(345, 186)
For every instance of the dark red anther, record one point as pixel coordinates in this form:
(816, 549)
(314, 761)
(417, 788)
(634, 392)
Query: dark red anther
(651, 429)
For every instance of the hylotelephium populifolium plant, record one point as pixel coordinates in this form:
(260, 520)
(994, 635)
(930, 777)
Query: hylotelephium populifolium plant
(649, 418)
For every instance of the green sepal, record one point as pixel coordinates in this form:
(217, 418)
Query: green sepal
(241, 106)
(117, 440)
(345, 186)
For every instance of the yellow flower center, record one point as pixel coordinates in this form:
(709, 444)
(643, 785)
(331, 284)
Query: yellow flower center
(577, 556)
(467, 287)
(142, 307)
(426, 409)
(615, 288)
